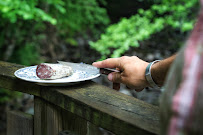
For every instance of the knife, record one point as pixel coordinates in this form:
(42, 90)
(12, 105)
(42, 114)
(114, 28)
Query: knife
(107, 71)
(76, 66)
(79, 66)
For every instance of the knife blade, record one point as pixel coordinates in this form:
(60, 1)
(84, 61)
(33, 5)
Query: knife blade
(79, 66)
(75, 66)
(89, 69)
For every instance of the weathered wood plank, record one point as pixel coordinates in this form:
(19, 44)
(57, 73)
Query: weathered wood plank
(39, 117)
(94, 130)
(47, 118)
(50, 119)
(74, 123)
(19, 123)
(9, 81)
(104, 107)
(54, 119)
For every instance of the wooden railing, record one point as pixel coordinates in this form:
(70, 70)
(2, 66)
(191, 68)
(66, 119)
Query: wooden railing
(79, 109)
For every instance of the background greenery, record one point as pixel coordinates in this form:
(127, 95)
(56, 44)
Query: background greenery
(128, 32)
(35, 31)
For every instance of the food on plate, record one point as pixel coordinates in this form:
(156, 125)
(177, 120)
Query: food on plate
(53, 71)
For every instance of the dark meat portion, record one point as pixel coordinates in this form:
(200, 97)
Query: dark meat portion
(44, 71)
(53, 71)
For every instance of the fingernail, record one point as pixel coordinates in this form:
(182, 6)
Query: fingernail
(110, 77)
(95, 63)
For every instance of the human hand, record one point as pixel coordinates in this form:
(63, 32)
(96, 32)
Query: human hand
(132, 71)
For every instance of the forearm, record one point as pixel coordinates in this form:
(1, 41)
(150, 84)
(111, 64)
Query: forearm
(160, 69)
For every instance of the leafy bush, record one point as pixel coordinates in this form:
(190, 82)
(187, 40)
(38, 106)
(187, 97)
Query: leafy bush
(25, 25)
(81, 16)
(18, 37)
(118, 38)
(12, 10)
(29, 27)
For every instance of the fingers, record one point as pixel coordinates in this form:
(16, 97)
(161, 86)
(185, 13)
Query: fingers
(138, 89)
(115, 77)
(108, 63)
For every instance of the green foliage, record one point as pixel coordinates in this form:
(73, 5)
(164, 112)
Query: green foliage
(118, 38)
(21, 22)
(27, 26)
(26, 54)
(27, 10)
(81, 15)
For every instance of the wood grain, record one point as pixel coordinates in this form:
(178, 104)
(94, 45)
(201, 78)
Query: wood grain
(102, 106)
(19, 123)
(50, 119)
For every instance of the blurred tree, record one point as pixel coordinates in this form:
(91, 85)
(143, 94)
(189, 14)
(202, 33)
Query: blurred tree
(33, 31)
(31, 28)
(178, 15)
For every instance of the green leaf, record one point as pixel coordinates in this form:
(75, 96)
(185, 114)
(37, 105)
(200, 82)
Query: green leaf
(128, 32)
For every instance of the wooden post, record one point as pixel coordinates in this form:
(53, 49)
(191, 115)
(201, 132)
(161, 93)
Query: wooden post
(19, 123)
(50, 119)
(95, 130)
(47, 118)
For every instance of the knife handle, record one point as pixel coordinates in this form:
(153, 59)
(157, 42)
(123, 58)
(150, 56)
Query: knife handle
(107, 71)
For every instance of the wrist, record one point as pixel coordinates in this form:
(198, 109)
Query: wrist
(159, 70)
(155, 73)
(148, 75)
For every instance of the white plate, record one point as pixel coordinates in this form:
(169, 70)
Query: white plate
(29, 74)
